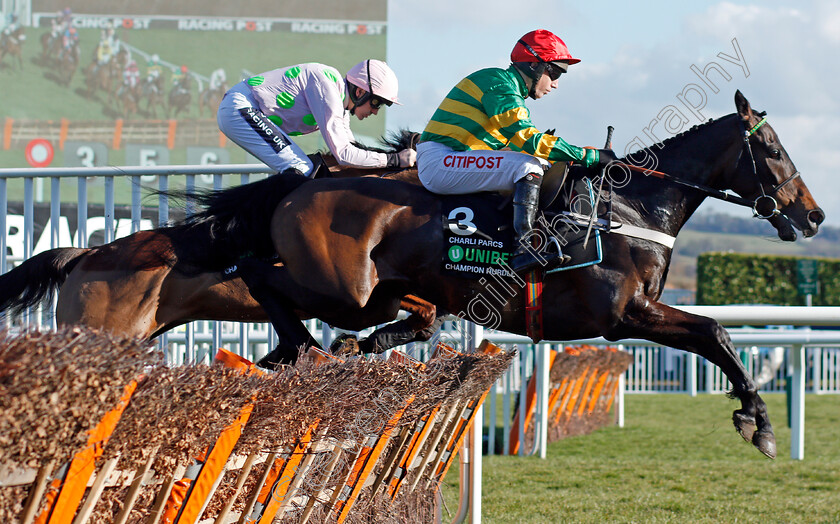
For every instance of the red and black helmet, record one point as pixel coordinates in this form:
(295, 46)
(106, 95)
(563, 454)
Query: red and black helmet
(541, 46)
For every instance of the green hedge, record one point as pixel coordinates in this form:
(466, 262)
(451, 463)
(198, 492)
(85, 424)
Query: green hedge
(733, 278)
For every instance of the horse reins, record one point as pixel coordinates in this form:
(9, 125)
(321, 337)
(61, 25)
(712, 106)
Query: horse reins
(765, 199)
(533, 300)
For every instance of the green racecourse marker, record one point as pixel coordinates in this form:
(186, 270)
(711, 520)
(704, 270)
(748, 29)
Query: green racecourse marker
(807, 276)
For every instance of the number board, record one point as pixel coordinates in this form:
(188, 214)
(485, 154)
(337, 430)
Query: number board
(85, 154)
(205, 156)
(146, 155)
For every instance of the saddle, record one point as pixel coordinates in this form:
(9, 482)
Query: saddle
(319, 167)
(552, 183)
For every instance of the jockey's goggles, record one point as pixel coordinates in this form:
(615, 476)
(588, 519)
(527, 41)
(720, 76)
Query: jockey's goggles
(376, 102)
(554, 71)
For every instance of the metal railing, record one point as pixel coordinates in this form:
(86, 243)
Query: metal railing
(133, 175)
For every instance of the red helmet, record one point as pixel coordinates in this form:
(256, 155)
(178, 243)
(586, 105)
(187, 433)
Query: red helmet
(547, 46)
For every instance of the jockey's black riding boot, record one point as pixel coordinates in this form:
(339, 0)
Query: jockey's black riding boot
(526, 196)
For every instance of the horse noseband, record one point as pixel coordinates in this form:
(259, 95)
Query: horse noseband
(765, 207)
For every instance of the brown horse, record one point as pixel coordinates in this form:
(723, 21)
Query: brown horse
(128, 99)
(180, 96)
(106, 77)
(354, 249)
(68, 63)
(50, 46)
(151, 90)
(209, 99)
(101, 77)
(134, 288)
(11, 44)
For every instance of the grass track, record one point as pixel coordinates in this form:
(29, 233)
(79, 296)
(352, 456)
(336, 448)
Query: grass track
(678, 459)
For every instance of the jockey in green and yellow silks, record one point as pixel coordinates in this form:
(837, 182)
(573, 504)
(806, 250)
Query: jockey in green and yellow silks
(461, 149)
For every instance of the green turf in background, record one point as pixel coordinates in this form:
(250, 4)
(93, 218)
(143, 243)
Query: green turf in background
(678, 459)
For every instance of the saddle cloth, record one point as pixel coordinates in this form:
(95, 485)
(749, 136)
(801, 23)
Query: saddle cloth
(478, 233)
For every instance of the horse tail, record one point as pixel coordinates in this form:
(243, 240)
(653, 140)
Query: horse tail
(238, 219)
(37, 278)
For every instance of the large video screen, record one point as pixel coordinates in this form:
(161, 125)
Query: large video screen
(66, 87)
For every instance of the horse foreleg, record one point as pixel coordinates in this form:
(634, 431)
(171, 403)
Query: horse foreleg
(706, 337)
(423, 321)
(266, 283)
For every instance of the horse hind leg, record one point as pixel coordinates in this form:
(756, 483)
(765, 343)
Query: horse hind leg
(266, 283)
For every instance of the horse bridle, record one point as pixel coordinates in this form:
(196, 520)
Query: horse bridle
(765, 200)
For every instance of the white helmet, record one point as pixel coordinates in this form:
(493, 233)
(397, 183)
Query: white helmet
(375, 77)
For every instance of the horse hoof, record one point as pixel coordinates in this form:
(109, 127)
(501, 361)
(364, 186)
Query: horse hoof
(765, 441)
(345, 345)
(268, 363)
(745, 425)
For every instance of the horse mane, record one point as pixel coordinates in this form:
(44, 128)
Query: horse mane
(679, 136)
(693, 129)
(393, 142)
(232, 222)
(401, 140)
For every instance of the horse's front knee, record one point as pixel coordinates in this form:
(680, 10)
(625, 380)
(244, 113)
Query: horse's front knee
(423, 319)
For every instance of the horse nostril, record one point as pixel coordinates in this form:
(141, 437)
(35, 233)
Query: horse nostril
(816, 216)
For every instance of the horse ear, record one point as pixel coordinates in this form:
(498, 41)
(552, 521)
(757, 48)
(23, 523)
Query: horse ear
(743, 106)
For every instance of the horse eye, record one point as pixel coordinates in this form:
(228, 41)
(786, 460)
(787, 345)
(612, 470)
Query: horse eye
(775, 153)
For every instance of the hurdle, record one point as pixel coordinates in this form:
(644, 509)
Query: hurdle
(320, 467)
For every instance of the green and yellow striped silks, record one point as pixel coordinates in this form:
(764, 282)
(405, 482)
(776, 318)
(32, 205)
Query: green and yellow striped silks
(487, 110)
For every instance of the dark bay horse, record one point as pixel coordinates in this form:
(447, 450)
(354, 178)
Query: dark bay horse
(354, 249)
(135, 286)
(128, 99)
